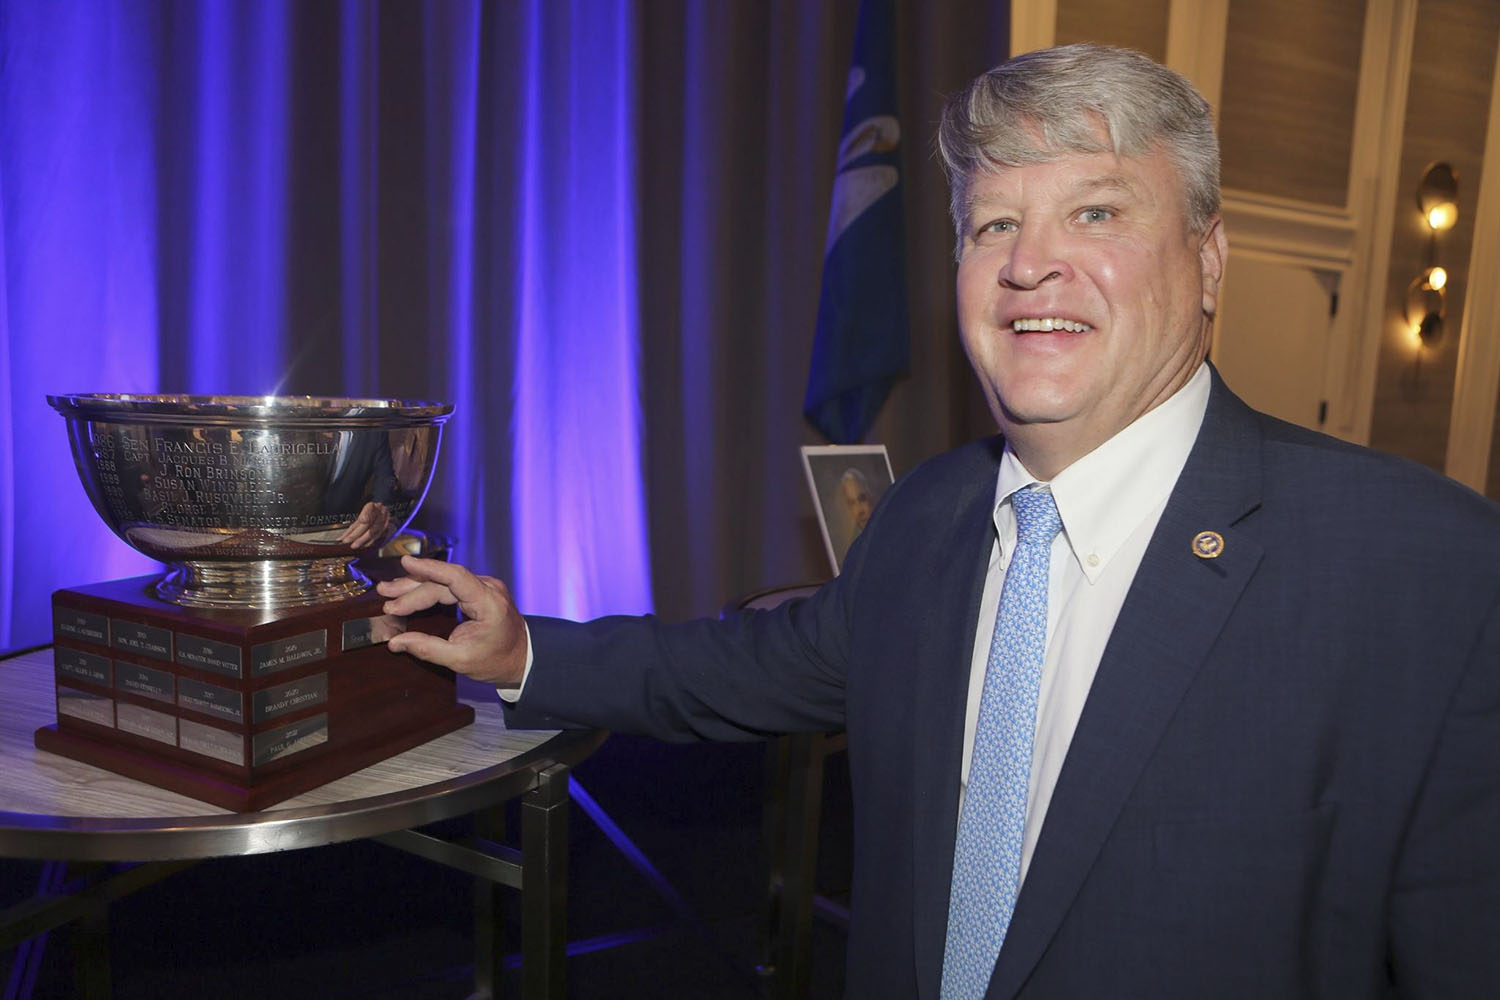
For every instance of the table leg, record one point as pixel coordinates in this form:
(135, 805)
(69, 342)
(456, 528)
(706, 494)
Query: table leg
(544, 886)
(793, 815)
(539, 870)
(773, 848)
(489, 912)
(90, 937)
(804, 806)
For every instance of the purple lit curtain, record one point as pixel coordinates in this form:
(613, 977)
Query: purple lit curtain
(595, 227)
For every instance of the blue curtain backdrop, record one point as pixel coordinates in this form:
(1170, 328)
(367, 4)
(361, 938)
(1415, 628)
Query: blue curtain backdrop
(595, 227)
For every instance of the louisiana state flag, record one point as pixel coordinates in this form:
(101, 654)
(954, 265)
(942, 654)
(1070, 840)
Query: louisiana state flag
(861, 346)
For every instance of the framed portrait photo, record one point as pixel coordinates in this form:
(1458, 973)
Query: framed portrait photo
(846, 481)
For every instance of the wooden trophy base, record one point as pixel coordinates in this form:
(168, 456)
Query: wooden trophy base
(240, 708)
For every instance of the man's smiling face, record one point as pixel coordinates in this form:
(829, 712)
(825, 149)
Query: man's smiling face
(1084, 297)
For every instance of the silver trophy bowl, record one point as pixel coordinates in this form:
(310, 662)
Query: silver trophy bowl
(254, 501)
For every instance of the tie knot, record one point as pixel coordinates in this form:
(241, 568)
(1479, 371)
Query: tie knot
(1037, 520)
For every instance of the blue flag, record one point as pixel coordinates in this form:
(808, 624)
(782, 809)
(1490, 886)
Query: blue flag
(861, 345)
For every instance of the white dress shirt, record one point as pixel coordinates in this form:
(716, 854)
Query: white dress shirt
(1109, 501)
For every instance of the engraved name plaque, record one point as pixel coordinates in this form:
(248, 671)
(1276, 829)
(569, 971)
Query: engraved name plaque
(210, 699)
(293, 651)
(83, 666)
(80, 625)
(144, 639)
(209, 654)
(145, 681)
(147, 722)
(289, 739)
(292, 697)
(211, 741)
(86, 705)
(362, 632)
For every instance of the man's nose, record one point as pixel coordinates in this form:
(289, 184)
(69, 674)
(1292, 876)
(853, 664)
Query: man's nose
(1036, 257)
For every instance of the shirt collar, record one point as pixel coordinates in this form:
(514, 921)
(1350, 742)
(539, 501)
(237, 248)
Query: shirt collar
(1105, 495)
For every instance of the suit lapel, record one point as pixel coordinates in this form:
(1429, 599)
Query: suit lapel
(1175, 610)
(939, 700)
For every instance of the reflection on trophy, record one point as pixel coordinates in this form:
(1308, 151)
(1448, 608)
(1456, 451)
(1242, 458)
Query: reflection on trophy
(255, 668)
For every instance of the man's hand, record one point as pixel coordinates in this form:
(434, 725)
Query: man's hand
(488, 645)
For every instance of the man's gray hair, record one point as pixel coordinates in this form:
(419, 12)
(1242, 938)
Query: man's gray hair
(1079, 99)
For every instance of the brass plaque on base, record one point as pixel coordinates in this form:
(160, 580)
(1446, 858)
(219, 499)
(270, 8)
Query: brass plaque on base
(242, 708)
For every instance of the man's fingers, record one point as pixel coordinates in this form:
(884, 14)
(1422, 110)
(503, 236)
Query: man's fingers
(432, 581)
(418, 596)
(488, 645)
(429, 648)
(475, 595)
(494, 654)
(397, 587)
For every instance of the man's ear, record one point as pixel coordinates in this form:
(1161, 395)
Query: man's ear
(1213, 248)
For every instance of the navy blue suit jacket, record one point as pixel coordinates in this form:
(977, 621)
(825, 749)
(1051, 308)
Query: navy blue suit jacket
(1286, 778)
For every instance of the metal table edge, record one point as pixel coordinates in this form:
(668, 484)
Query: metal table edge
(46, 837)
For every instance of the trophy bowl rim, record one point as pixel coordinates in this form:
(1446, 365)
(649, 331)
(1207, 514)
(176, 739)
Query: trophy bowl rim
(262, 411)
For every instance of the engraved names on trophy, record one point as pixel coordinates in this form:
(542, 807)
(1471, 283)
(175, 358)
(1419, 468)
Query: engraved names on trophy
(289, 739)
(86, 705)
(210, 699)
(362, 632)
(83, 666)
(283, 654)
(148, 640)
(147, 682)
(291, 697)
(81, 625)
(102, 444)
(85, 674)
(211, 741)
(238, 707)
(147, 723)
(219, 478)
(209, 654)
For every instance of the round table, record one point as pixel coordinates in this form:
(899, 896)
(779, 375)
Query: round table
(55, 808)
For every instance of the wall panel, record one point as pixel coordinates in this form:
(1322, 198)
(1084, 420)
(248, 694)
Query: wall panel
(1286, 120)
(1141, 24)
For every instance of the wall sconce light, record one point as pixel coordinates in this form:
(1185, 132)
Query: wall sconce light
(1426, 305)
(1437, 197)
(1426, 300)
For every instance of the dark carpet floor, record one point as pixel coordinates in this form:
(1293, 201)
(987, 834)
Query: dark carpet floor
(366, 922)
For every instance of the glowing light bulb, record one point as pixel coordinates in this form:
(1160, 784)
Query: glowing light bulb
(1437, 277)
(1442, 216)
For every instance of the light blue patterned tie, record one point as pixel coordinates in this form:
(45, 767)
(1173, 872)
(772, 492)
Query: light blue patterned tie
(987, 855)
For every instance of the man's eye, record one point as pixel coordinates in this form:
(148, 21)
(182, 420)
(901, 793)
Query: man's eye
(998, 226)
(1095, 215)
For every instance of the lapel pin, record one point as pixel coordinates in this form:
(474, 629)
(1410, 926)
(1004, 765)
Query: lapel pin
(1208, 544)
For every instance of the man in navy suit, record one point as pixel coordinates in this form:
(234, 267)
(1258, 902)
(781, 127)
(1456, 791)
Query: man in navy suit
(1265, 759)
